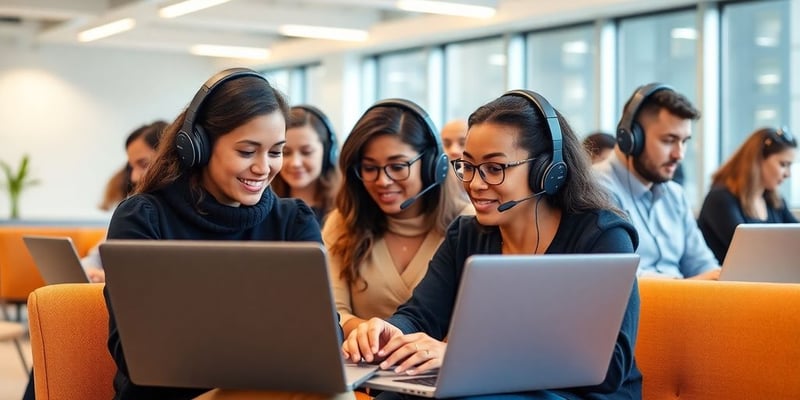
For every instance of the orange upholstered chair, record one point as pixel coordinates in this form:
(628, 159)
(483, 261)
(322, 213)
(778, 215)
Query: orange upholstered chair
(88, 238)
(719, 340)
(69, 330)
(18, 273)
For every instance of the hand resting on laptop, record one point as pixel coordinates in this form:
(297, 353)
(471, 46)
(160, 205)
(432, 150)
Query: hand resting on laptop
(379, 341)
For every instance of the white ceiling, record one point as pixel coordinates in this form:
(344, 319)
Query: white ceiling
(252, 23)
(255, 23)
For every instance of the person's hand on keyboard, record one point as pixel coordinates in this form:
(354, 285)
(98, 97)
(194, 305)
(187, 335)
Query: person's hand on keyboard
(365, 342)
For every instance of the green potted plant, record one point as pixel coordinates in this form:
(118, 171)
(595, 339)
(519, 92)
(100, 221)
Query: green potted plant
(16, 182)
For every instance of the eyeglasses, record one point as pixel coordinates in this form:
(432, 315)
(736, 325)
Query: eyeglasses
(398, 171)
(493, 173)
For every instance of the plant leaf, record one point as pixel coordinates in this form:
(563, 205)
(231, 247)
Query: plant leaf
(23, 169)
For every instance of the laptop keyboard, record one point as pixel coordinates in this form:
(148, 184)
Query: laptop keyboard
(422, 380)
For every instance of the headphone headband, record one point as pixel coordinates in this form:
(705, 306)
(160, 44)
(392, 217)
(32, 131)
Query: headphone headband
(630, 135)
(549, 114)
(438, 167)
(208, 87)
(192, 144)
(639, 96)
(554, 174)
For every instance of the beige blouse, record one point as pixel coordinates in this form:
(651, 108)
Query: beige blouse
(387, 288)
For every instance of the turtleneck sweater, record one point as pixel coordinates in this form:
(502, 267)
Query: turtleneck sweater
(409, 227)
(175, 212)
(382, 286)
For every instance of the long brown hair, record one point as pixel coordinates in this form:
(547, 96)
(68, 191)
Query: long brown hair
(741, 174)
(362, 220)
(231, 104)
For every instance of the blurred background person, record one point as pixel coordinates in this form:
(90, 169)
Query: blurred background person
(600, 146)
(310, 172)
(454, 135)
(140, 147)
(745, 189)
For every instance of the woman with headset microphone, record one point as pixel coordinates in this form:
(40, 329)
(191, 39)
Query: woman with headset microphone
(391, 212)
(309, 171)
(210, 181)
(530, 181)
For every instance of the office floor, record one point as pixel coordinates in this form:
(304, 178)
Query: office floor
(13, 378)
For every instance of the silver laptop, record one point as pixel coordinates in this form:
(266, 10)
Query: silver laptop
(230, 315)
(763, 253)
(525, 323)
(56, 259)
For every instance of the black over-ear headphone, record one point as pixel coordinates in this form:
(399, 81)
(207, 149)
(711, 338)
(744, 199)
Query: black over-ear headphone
(630, 135)
(192, 142)
(331, 154)
(436, 168)
(546, 177)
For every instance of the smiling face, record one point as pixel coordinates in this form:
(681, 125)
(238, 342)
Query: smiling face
(389, 194)
(302, 157)
(777, 167)
(497, 143)
(665, 145)
(245, 160)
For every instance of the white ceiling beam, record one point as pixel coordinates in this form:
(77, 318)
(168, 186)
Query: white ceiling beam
(166, 39)
(267, 18)
(392, 4)
(52, 9)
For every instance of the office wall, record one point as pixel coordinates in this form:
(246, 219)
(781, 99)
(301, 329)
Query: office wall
(71, 108)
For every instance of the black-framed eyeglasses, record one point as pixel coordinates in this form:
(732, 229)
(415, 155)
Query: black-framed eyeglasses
(493, 173)
(398, 171)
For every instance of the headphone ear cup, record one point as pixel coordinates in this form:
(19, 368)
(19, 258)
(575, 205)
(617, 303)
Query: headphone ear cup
(554, 177)
(625, 141)
(547, 177)
(202, 145)
(536, 173)
(332, 155)
(637, 133)
(186, 149)
(441, 167)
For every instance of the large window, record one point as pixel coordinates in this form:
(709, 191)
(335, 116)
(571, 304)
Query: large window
(315, 78)
(663, 48)
(290, 82)
(755, 73)
(561, 67)
(475, 75)
(404, 75)
(279, 78)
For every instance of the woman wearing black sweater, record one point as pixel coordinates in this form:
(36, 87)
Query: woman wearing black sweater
(210, 181)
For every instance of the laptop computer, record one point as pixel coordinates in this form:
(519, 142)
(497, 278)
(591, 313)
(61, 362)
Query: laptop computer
(230, 315)
(763, 253)
(56, 259)
(524, 323)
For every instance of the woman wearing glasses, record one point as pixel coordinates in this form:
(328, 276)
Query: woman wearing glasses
(385, 229)
(519, 210)
(745, 188)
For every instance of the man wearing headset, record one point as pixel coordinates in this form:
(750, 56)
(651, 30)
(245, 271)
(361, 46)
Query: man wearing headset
(651, 141)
